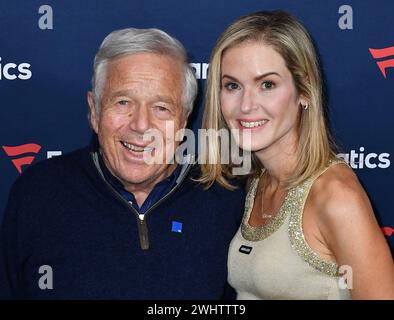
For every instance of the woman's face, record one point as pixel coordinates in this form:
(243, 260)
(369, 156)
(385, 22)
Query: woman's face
(258, 97)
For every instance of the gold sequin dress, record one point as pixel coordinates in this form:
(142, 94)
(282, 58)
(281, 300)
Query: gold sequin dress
(274, 261)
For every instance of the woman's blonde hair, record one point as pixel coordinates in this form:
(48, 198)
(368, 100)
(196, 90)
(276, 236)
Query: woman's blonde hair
(290, 39)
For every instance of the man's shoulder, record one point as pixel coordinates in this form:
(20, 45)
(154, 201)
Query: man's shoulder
(238, 182)
(54, 168)
(218, 193)
(216, 200)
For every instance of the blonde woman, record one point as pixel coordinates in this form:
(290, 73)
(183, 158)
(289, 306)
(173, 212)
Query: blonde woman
(308, 231)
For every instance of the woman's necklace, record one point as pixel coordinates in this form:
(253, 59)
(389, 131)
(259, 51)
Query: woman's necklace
(274, 209)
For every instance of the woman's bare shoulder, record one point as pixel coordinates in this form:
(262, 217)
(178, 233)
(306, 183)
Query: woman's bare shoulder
(339, 196)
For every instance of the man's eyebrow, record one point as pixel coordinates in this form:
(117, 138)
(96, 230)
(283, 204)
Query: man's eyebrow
(130, 93)
(122, 93)
(161, 98)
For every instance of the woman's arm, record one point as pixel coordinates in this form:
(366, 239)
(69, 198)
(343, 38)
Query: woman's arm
(355, 238)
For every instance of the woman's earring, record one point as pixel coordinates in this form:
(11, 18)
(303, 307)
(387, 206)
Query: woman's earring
(305, 106)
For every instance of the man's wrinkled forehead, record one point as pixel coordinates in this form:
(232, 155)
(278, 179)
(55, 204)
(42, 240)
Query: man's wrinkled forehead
(140, 73)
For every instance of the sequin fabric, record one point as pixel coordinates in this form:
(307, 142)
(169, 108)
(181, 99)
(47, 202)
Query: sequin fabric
(293, 205)
(259, 233)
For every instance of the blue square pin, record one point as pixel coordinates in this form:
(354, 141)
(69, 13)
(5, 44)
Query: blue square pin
(176, 226)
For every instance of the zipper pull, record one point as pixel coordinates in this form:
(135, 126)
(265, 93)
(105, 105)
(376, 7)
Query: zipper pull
(143, 233)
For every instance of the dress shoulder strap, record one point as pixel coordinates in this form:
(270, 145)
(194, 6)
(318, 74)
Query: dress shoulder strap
(298, 195)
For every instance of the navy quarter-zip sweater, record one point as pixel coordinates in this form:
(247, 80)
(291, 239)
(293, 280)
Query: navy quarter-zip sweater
(61, 213)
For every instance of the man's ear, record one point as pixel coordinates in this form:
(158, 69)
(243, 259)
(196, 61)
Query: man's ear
(185, 118)
(93, 116)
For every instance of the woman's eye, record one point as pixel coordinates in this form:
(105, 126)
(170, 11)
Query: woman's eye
(231, 86)
(267, 85)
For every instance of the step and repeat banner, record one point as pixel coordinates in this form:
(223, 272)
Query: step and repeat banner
(47, 50)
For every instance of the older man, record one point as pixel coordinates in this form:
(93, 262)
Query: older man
(102, 222)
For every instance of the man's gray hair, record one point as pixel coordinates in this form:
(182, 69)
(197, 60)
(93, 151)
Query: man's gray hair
(132, 41)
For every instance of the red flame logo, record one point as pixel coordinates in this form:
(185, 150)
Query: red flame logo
(383, 53)
(20, 150)
(388, 231)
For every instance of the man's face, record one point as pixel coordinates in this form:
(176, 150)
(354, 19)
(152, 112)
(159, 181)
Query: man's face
(142, 93)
